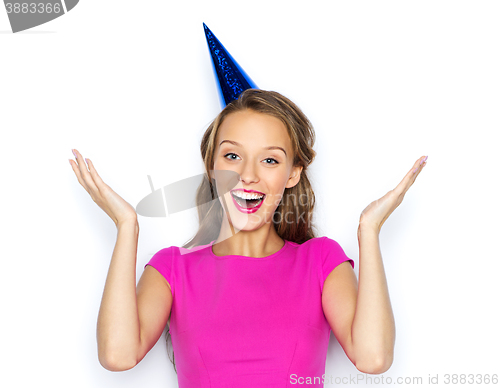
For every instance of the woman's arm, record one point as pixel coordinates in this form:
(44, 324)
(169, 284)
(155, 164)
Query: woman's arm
(373, 327)
(361, 316)
(131, 319)
(118, 330)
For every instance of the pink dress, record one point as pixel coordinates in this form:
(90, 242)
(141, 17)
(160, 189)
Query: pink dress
(241, 321)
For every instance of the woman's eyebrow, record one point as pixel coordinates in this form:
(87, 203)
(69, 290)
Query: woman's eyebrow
(239, 145)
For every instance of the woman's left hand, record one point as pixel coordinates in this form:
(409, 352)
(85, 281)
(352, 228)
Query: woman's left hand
(378, 211)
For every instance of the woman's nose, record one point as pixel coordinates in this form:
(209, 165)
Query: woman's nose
(248, 174)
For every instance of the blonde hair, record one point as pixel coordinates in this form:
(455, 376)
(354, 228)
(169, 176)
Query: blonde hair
(295, 216)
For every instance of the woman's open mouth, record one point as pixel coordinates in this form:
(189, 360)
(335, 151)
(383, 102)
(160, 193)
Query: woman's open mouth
(247, 202)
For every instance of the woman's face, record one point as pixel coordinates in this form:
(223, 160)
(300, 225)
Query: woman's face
(258, 148)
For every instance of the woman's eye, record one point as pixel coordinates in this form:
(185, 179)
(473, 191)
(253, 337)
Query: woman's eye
(233, 154)
(230, 154)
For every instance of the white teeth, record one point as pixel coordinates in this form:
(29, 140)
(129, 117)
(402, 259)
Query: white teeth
(243, 195)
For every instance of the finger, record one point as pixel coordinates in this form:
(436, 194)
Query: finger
(85, 174)
(93, 172)
(410, 177)
(421, 163)
(76, 170)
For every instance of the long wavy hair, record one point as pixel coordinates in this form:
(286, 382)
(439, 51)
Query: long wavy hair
(299, 226)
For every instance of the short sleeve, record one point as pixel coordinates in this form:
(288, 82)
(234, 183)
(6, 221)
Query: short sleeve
(162, 261)
(332, 255)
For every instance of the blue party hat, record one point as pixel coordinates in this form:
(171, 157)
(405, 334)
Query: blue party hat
(232, 79)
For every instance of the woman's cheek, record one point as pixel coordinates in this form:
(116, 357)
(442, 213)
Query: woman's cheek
(275, 200)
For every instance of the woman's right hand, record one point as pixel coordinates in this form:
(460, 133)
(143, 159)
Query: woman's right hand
(115, 206)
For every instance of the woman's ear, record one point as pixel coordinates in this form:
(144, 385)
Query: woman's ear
(294, 176)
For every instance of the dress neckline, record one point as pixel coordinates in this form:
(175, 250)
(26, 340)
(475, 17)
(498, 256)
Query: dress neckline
(283, 248)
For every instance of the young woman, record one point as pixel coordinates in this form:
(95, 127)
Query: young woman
(252, 300)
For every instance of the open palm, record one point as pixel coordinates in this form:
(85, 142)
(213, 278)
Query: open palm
(375, 214)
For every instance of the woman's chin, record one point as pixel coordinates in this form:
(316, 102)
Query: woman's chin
(245, 222)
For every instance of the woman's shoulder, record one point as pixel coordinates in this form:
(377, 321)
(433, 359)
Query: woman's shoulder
(175, 250)
(184, 251)
(318, 245)
(312, 242)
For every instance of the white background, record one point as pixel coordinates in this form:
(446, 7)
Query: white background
(130, 85)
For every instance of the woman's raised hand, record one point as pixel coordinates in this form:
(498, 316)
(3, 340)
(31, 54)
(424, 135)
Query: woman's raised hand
(115, 206)
(377, 212)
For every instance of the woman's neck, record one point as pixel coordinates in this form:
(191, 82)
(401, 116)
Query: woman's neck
(256, 243)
